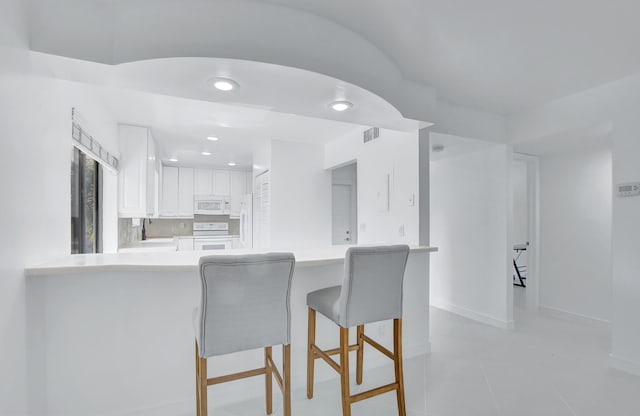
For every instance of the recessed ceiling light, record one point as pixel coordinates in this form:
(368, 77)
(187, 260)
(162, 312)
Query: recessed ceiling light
(224, 84)
(213, 138)
(173, 159)
(206, 153)
(231, 163)
(341, 105)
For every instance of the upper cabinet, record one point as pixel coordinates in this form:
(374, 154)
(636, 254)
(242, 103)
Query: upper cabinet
(203, 181)
(181, 185)
(138, 173)
(177, 192)
(212, 182)
(170, 183)
(185, 192)
(221, 182)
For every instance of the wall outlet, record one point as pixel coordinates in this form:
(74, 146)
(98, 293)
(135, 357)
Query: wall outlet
(363, 227)
(401, 230)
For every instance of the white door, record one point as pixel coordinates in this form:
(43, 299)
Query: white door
(341, 215)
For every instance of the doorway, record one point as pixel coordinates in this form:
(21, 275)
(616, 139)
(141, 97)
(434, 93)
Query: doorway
(525, 230)
(344, 205)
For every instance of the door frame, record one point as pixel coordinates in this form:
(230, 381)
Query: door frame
(533, 255)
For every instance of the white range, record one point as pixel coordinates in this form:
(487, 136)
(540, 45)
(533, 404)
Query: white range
(209, 236)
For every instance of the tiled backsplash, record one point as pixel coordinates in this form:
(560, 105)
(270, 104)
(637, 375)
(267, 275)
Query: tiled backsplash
(127, 233)
(169, 227)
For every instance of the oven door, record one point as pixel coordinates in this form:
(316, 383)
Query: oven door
(212, 244)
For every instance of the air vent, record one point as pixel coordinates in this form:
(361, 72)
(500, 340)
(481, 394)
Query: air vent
(371, 134)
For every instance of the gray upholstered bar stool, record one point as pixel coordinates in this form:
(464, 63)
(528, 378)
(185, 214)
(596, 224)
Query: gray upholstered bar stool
(244, 306)
(371, 291)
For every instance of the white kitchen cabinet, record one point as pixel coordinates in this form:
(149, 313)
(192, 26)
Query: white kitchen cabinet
(177, 192)
(237, 190)
(137, 184)
(221, 182)
(185, 244)
(185, 192)
(170, 184)
(203, 181)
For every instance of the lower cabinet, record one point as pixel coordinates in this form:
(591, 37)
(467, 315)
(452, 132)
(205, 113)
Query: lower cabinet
(185, 244)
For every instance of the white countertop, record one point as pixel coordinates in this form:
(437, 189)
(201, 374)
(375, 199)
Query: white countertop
(178, 261)
(208, 237)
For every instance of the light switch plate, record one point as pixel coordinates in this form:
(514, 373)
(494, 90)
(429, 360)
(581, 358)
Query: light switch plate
(626, 190)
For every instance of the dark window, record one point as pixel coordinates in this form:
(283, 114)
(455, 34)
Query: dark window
(86, 218)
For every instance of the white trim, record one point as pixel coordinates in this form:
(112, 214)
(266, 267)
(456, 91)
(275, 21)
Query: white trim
(574, 315)
(473, 315)
(624, 364)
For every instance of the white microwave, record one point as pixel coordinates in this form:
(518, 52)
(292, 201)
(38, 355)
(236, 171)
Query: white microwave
(211, 205)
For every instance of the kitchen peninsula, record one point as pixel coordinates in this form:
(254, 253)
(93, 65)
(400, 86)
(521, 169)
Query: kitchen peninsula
(117, 328)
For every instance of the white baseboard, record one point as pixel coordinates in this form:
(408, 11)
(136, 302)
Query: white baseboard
(574, 315)
(473, 315)
(624, 364)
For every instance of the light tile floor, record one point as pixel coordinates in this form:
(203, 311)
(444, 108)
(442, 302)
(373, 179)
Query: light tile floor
(547, 366)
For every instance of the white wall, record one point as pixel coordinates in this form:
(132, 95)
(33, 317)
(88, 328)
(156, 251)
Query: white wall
(13, 351)
(394, 153)
(520, 186)
(617, 104)
(625, 347)
(470, 206)
(300, 196)
(575, 231)
(35, 115)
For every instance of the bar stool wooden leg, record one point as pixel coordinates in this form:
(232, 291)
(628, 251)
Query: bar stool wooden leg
(197, 381)
(202, 369)
(286, 369)
(397, 352)
(268, 379)
(344, 371)
(310, 354)
(360, 354)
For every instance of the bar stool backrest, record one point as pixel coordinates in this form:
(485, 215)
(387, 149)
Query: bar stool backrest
(245, 302)
(372, 284)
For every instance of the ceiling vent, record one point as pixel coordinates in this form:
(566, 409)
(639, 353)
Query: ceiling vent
(371, 134)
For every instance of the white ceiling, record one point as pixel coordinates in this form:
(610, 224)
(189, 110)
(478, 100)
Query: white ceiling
(455, 146)
(566, 141)
(500, 55)
(180, 127)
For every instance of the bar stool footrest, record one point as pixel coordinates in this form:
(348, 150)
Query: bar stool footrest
(373, 392)
(236, 376)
